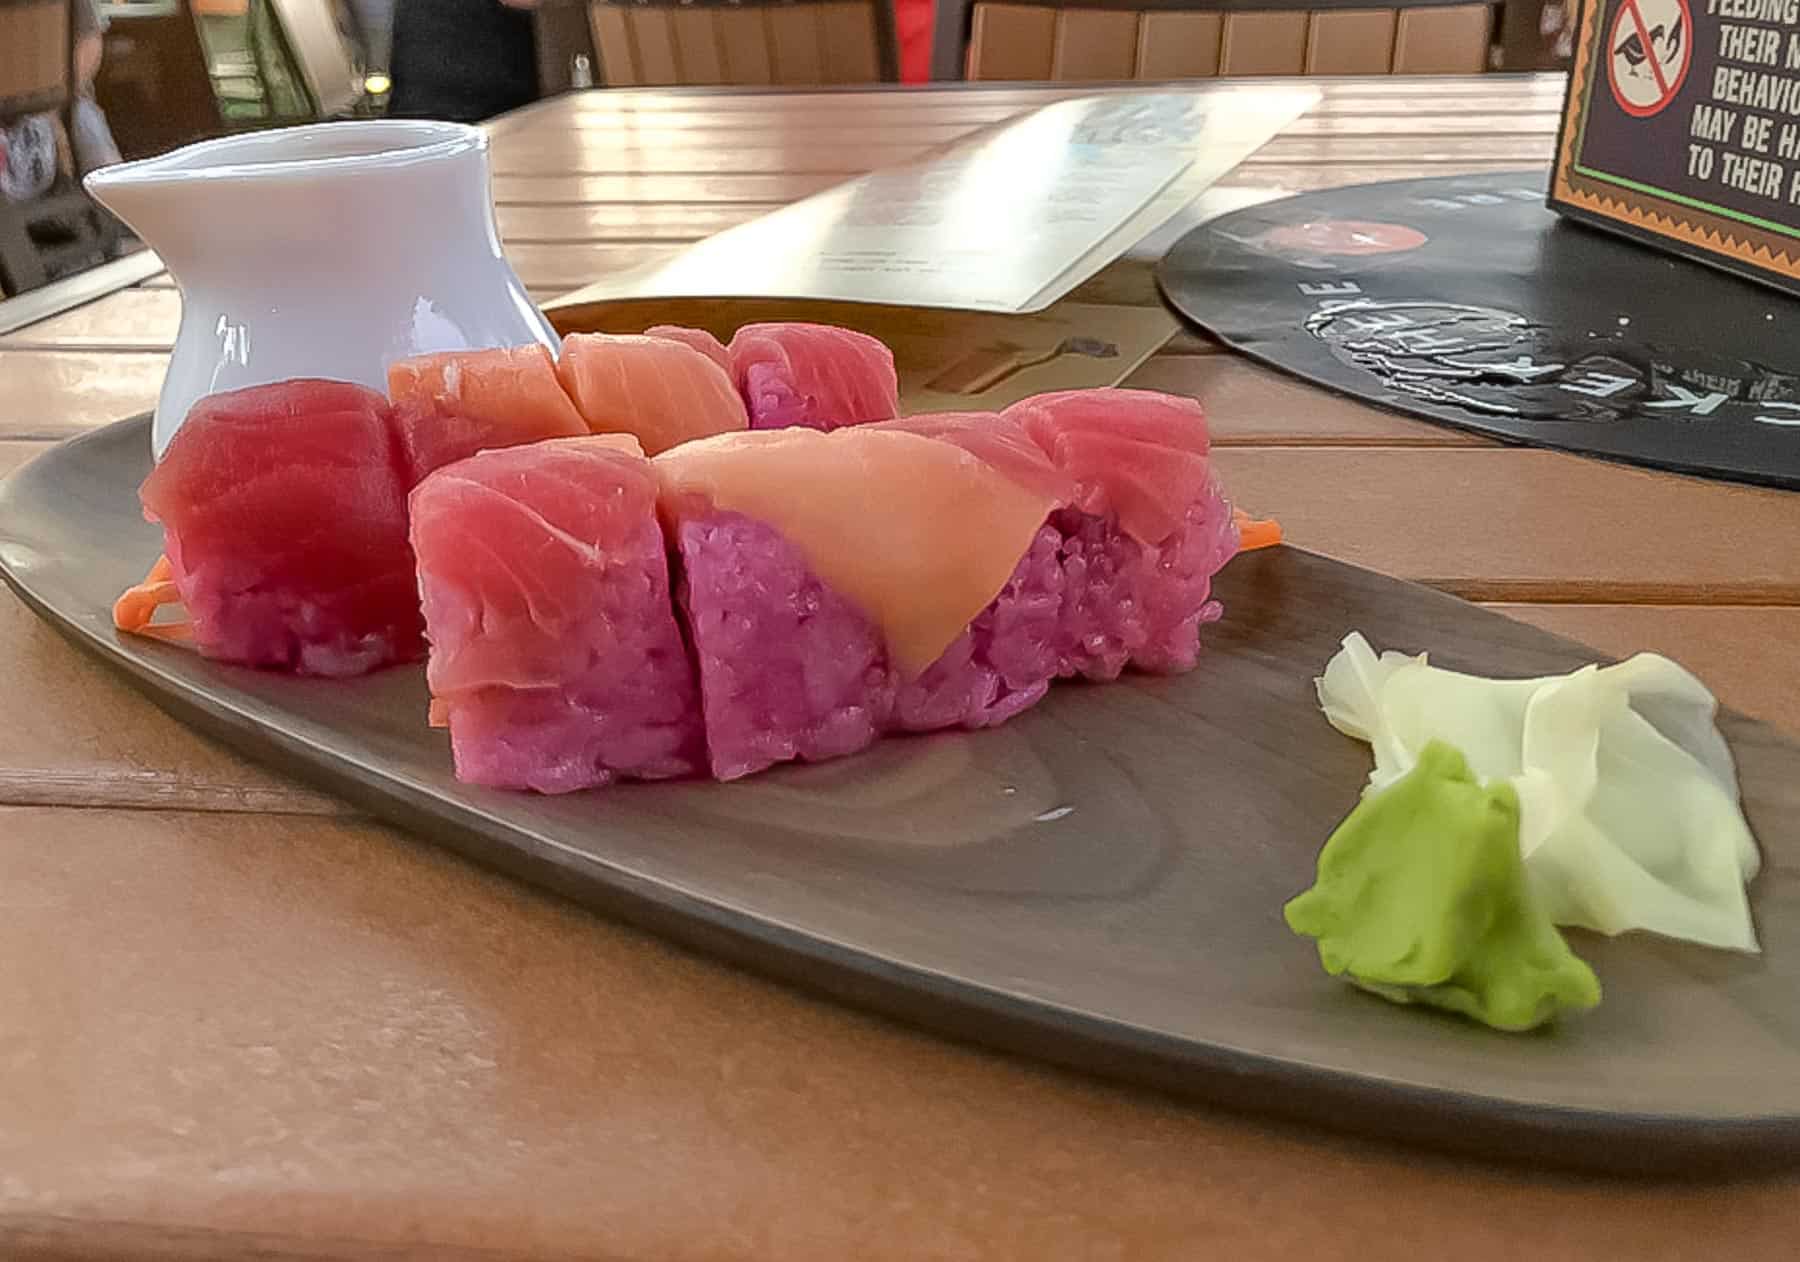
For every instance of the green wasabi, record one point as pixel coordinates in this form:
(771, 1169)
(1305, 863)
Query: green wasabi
(1422, 898)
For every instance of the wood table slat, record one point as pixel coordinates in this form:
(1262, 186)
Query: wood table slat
(1428, 151)
(603, 148)
(602, 158)
(624, 222)
(762, 189)
(757, 187)
(15, 454)
(629, 129)
(77, 735)
(1737, 650)
(51, 394)
(1249, 405)
(87, 787)
(132, 319)
(810, 114)
(1505, 524)
(1281, 179)
(561, 266)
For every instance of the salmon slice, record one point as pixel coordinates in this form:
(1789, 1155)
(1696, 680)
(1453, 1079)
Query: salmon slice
(661, 390)
(450, 405)
(919, 534)
(995, 440)
(697, 339)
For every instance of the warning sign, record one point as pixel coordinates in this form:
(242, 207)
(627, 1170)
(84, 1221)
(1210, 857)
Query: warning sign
(1651, 48)
(1683, 126)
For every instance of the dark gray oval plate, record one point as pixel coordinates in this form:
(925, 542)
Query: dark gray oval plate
(1098, 883)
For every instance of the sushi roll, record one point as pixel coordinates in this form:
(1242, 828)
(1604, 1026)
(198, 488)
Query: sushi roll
(816, 376)
(284, 528)
(659, 389)
(838, 586)
(450, 405)
(1146, 530)
(555, 661)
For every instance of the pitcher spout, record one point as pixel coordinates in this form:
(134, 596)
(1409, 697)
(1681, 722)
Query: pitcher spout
(135, 194)
(251, 186)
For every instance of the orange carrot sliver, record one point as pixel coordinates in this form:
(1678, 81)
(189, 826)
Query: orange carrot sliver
(137, 605)
(439, 714)
(1255, 532)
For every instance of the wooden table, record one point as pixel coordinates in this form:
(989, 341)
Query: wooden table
(239, 1020)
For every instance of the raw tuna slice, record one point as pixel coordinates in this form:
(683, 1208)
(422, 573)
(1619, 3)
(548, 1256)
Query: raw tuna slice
(661, 390)
(698, 339)
(838, 586)
(451, 405)
(813, 375)
(1148, 529)
(555, 655)
(1136, 455)
(284, 522)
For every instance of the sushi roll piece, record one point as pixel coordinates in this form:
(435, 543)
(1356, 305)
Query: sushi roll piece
(661, 390)
(837, 586)
(556, 661)
(284, 527)
(816, 376)
(450, 405)
(1147, 529)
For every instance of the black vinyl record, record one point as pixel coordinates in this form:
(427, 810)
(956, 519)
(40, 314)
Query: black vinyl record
(1465, 301)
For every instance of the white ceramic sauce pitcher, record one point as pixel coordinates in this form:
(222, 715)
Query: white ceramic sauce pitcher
(329, 250)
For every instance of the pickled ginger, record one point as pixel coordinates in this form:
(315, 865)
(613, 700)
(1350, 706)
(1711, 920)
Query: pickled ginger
(1628, 798)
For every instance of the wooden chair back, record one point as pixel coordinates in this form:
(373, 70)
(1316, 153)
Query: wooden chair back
(35, 56)
(563, 39)
(798, 43)
(1190, 39)
(320, 54)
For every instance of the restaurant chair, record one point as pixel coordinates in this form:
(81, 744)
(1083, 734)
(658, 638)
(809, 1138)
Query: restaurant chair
(565, 47)
(1196, 39)
(797, 43)
(278, 62)
(61, 231)
(319, 53)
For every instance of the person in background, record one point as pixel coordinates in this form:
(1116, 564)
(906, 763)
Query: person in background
(92, 139)
(29, 146)
(463, 60)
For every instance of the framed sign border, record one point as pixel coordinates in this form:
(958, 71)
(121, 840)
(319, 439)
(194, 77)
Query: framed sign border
(1671, 221)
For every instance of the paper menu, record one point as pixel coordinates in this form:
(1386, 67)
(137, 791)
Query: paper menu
(1007, 220)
